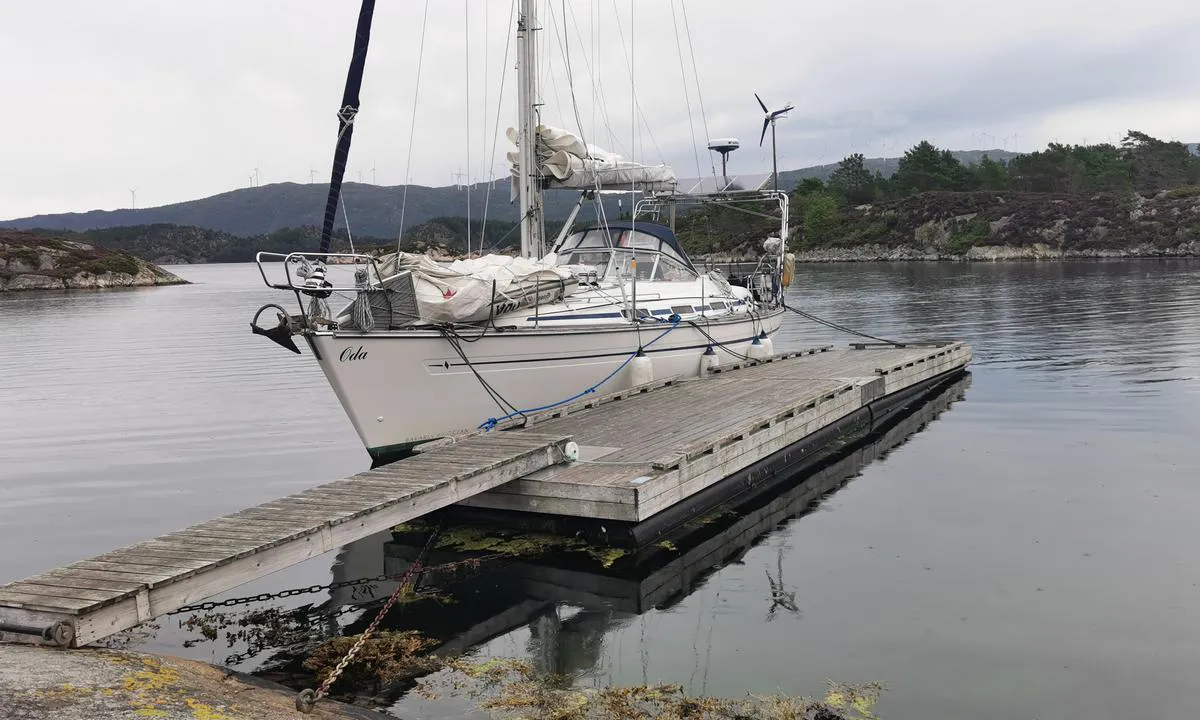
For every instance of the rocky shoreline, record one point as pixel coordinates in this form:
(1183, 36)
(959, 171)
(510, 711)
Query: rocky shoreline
(989, 253)
(37, 262)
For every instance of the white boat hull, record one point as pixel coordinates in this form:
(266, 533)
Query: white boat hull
(402, 388)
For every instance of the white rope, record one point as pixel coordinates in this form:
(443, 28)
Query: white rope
(363, 317)
(413, 127)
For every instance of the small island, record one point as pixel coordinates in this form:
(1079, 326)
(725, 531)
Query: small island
(30, 261)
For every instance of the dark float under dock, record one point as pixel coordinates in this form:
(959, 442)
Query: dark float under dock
(628, 467)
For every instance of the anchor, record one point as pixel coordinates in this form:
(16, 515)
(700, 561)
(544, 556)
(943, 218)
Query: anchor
(281, 333)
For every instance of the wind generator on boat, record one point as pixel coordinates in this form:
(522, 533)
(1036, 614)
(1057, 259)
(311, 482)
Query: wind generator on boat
(422, 350)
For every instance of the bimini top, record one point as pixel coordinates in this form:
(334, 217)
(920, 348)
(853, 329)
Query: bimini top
(635, 235)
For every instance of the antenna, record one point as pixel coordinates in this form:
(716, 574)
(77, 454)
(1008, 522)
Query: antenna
(133, 198)
(724, 146)
(373, 182)
(256, 177)
(769, 118)
(312, 175)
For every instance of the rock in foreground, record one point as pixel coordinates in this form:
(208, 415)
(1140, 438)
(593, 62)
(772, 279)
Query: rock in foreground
(51, 684)
(37, 262)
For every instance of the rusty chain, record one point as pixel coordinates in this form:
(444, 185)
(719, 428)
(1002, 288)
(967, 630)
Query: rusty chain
(290, 592)
(307, 699)
(264, 597)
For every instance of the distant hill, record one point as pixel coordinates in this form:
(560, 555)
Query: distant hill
(374, 210)
(169, 244)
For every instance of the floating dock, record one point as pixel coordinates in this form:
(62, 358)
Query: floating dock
(628, 457)
(653, 447)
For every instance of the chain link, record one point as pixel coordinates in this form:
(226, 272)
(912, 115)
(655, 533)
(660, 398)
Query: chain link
(307, 699)
(264, 597)
(474, 562)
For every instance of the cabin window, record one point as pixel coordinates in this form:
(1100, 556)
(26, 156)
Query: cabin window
(636, 240)
(718, 305)
(671, 269)
(681, 309)
(583, 239)
(645, 264)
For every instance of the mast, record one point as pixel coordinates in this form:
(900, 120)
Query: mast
(527, 114)
(346, 114)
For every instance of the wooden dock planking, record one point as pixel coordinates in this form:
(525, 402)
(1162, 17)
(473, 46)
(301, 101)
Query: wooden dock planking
(736, 416)
(120, 589)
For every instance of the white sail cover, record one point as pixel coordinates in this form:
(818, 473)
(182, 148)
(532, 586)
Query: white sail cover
(462, 291)
(566, 162)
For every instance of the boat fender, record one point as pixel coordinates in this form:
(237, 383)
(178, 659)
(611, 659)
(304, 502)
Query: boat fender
(756, 351)
(641, 370)
(768, 346)
(789, 268)
(709, 360)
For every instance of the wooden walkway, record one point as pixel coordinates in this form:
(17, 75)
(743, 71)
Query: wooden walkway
(89, 600)
(649, 448)
(640, 451)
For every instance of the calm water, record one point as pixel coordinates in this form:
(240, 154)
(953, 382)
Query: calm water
(1028, 553)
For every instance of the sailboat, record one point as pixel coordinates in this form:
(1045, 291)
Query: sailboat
(423, 350)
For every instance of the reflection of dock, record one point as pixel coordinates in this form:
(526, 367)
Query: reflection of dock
(660, 576)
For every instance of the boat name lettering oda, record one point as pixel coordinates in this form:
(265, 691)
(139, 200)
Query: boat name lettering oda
(351, 354)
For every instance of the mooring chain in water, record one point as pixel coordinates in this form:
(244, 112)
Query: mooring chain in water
(290, 592)
(264, 597)
(307, 699)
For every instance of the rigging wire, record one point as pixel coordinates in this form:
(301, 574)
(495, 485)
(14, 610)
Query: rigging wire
(599, 101)
(487, 198)
(553, 76)
(467, 107)
(696, 74)
(686, 96)
(346, 220)
(412, 130)
(565, 49)
(483, 169)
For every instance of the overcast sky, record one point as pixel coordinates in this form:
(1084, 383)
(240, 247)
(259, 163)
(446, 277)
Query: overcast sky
(181, 100)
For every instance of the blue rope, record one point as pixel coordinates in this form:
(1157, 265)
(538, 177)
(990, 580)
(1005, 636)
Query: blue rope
(490, 423)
